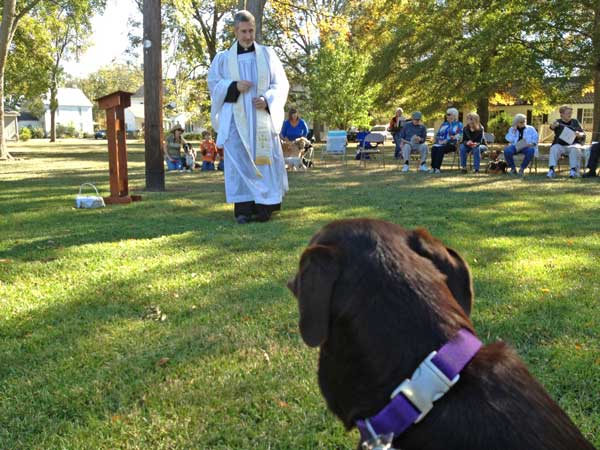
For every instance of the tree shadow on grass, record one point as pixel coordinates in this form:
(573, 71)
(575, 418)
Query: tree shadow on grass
(92, 356)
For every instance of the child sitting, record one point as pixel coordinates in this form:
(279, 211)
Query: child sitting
(209, 151)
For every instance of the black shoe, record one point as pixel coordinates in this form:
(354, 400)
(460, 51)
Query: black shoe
(589, 174)
(241, 219)
(262, 216)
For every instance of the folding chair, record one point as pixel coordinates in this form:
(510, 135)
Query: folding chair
(367, 151)
(337, 141)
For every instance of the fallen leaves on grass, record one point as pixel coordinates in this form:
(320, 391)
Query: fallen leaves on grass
(154, 313)
(162, 362)
(5, 261)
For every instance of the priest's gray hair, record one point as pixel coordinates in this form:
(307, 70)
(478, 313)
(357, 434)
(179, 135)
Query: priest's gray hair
(519, 118)
(243, 16)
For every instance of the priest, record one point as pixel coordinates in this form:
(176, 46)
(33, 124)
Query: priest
(248, 90)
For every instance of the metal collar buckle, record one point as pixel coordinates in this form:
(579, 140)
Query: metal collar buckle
(426, 385)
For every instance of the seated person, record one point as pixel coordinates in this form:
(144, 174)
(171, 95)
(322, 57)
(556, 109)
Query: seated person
(413, 135)
(472, 141)
(522, 138)
(173, 149)
(448, 135)
(208, 149)
(560, 147)
(294, 127)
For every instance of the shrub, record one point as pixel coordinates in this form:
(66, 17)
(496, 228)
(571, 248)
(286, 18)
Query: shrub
(88, 135)
(37, 133)
(192, 136)
(68, 131)
(499, 126)
(133, 134)
(24, 134)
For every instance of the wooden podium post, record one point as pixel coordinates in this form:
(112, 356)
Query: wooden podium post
(115, 105)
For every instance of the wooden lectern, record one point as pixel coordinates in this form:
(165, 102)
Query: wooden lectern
(115, 105)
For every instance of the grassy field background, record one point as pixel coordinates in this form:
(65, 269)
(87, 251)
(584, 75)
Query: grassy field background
(164, 325)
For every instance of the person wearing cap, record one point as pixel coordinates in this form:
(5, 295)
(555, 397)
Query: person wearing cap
(174, 149)
(248, 89)
(294, 127)
(473, 141)
(446, 139)
(395, 126)
(412, 137)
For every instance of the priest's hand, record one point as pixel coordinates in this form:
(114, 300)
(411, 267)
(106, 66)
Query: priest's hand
(243, 86)
(260, 103)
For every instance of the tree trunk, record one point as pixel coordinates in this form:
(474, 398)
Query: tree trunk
(153, 95)
(483, 109)
(8, 18)
(596, 123)
(596, 72)
(53, 109)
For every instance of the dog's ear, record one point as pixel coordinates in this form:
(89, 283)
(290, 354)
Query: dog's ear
(313, 287)
(447, 261)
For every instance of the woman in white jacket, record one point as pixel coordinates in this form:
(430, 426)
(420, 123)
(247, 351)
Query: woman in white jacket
(522, 138)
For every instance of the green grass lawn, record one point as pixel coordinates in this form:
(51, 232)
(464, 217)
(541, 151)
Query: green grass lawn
(86, 363)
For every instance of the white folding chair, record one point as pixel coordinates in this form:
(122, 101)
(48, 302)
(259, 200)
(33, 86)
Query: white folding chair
(337, 141)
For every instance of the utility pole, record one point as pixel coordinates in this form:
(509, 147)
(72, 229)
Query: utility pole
(153, 96)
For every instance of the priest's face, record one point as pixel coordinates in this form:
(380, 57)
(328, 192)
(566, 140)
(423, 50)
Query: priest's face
(245, 33)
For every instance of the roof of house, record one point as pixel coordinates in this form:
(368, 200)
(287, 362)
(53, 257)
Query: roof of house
(71, 97)
(27, 116)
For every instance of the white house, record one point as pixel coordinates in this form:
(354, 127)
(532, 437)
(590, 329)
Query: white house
(134, 116)
(74, 109)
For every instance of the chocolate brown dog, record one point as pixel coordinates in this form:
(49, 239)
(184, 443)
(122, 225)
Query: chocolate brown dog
(378, 299)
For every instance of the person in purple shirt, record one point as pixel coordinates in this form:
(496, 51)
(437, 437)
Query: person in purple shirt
(294, 127)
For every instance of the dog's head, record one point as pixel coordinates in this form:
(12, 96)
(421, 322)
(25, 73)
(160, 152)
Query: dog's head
(370, 271)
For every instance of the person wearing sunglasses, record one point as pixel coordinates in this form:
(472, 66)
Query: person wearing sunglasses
(446, 139)
(522, 138)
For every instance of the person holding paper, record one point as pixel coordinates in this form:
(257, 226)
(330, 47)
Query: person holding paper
(413, 136)
(569, 138)
(522, 138)
(473, 141)
(248, 89)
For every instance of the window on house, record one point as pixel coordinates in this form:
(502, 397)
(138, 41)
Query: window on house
(587, 118)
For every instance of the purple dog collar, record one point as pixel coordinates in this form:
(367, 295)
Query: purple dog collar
(414, 397)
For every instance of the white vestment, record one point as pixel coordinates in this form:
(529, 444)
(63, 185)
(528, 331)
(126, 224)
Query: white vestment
(244, 180)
